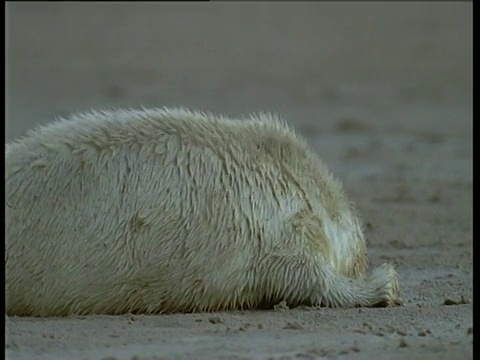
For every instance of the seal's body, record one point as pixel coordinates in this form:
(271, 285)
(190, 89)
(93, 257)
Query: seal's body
(162, 210)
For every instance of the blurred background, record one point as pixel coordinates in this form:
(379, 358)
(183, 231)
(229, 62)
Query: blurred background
(388, 65)
(373, 86)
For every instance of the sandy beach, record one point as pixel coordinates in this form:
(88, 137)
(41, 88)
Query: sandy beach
(382, 91)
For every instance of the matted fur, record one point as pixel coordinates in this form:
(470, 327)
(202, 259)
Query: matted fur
(168, 210)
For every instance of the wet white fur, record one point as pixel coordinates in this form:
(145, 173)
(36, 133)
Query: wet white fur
(167, 210)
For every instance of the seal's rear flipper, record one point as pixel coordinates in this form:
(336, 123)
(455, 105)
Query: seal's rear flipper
(380, 289)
